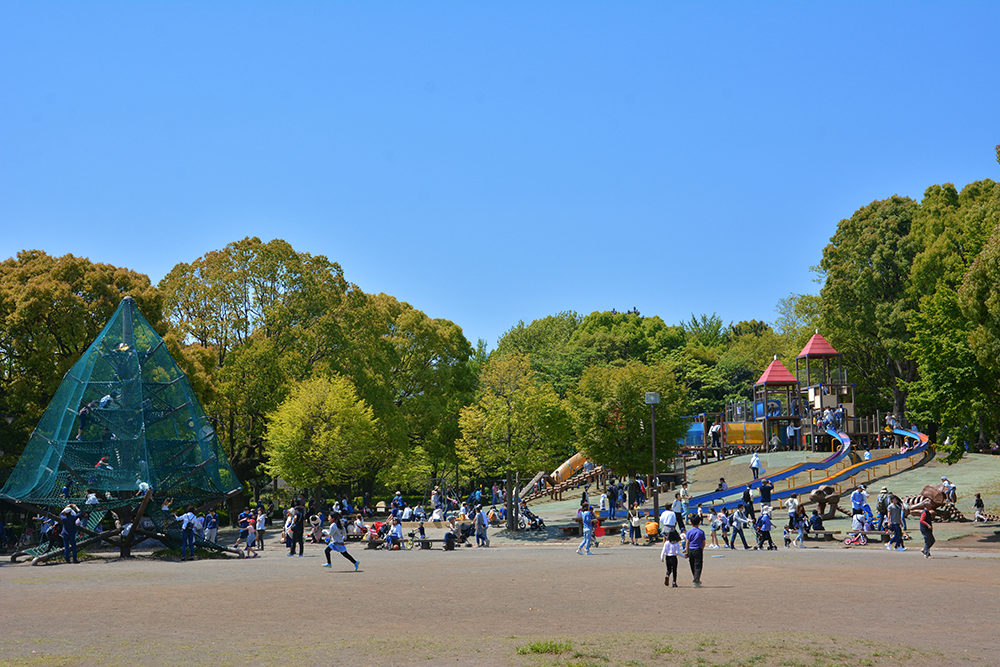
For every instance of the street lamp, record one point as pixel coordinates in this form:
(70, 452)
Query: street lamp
(652, 399)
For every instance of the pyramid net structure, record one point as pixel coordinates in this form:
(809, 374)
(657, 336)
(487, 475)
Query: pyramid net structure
(124, 416)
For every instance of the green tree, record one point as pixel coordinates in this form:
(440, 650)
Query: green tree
(954, 393)
(517, 425)
(611, 418)
(320, 434)
(51, 309)
(865, 300)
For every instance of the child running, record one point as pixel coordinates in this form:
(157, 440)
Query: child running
(671, 550)
(336, 542)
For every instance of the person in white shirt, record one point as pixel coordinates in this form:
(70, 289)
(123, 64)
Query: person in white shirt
(187, 533)
(668, 521)
(792, 505)
(755, 465)
(261, 525)
(407, 513)
(336, 541)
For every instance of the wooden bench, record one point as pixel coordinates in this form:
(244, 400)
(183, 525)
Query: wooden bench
(871, 534)
(823, 535)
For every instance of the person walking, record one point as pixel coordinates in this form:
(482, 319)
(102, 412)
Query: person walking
(337, 533)
(755, 465)
(482, 523)
(740, 522)
(764, 526)
(672, 548)
(587, 522)
(685, 501)
(694, 549)
(895, 511)
(927, 530)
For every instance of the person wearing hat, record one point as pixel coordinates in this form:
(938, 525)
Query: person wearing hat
(882, 507)
(67, 520)
(949, 489)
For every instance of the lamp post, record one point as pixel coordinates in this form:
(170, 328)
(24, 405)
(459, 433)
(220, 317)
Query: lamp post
(652, 399)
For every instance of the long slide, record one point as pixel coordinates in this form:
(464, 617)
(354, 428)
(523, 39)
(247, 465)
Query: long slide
(733, 496)
(838, 478)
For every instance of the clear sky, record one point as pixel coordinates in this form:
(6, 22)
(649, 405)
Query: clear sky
(490, 162)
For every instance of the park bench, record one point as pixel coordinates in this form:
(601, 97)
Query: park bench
(823, 534)
(872, 534)
(571, 531)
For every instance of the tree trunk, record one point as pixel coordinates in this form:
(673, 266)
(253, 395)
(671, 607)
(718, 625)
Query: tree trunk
(511, 503)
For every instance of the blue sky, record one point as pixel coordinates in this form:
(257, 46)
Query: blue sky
(491, 162)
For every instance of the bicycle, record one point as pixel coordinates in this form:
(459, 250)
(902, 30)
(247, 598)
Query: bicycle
(856, 540)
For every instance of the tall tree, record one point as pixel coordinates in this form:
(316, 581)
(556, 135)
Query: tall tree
(320, 435)
(517, 425)
(51, 309)
(612, 421)
(865, 300)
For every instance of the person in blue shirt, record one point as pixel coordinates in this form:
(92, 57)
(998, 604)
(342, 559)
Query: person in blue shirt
(67, 520)
(695, 549)
(858, 500)
(587, 522)
(764, 526)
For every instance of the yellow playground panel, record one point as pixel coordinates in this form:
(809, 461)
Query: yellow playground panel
(745, 433)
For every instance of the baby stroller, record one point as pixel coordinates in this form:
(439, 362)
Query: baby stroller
(530, 520)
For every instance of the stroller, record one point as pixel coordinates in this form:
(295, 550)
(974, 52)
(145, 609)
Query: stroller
(530, 520)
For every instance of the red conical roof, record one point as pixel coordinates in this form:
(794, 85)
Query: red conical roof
(776, 373)
(817, 347)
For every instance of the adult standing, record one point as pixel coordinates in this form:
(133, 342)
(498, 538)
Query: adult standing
(858, 499)
(895, 512)
(668, 521)
(882, 507)
(792, 505)
(337, 535)
(791, 437)
(748, 503)
(927, 530)
(685, 500)
(187, 533)
(67, 520)
(695, 549)
(755, 465)
(678, 509)
(587, 522)
(298, 529)
(612, 501)
(211, 526)
(635, 523)
(261, 525)
(766, 486)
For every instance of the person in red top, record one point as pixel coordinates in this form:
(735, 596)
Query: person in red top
(927, 530)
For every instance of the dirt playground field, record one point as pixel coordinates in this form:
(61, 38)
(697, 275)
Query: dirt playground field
(508, 605)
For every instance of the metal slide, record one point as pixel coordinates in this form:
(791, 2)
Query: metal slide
(921, 449)
(838, 455)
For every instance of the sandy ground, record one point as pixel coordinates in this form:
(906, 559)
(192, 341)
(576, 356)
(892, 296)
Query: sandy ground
(472, 606)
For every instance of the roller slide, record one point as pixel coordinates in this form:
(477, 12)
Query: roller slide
(838, 455)
(922, 448)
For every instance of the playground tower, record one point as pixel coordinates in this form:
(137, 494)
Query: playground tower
(826, 387)
(776, 403)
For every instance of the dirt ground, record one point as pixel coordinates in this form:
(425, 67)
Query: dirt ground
(508, 605)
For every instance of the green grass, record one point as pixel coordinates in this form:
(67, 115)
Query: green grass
(546, 647)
